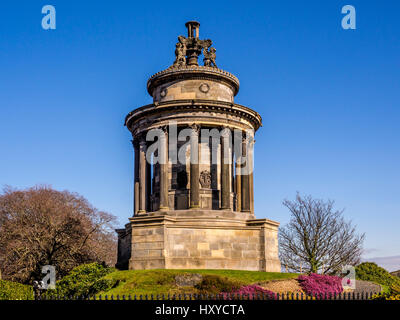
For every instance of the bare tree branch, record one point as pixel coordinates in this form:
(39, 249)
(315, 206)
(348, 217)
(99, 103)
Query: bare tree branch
(41, 226)
(317, 238)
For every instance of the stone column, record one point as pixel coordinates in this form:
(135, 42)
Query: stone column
(148, 186)
(251, 173)
(238, 177)
(245, 170)
(225, 172)
(136, 177)
(194, 168)
(142, 175)
(164, 170)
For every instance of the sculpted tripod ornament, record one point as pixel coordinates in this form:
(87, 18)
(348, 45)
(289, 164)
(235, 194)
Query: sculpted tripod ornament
(188, 49)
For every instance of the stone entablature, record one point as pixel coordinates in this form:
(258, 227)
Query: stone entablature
(184, 112)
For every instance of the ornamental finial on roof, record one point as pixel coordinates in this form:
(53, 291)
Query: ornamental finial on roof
(188, 49)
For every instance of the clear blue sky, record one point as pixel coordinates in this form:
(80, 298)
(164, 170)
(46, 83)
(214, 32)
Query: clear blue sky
(329, 98)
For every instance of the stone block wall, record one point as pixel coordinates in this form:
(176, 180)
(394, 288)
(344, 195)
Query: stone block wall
(213, 248)
(201, 243)
(147, 247)
(124, 247)
(193, 89)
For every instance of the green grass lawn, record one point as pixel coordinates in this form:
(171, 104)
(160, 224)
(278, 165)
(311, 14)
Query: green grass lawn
(142, 282)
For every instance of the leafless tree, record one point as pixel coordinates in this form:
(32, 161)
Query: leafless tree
(317, 238)
(42, 226)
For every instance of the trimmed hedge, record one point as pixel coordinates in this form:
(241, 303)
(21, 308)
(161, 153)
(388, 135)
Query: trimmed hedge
(15, 291)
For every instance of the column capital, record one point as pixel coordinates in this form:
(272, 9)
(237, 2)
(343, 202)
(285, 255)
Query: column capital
(135, 143)
(195, 128)
(142, 143)
(164, 129)
(140, 137)
(225, 132)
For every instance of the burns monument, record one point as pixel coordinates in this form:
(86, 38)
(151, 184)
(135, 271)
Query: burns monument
(193, 172)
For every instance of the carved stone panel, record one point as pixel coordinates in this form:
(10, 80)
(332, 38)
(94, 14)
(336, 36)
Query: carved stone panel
(205, 179)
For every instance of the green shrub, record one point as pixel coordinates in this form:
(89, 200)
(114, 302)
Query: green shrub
(15, 291)
(392, 294)
(370, 271)
(83, 280)
(213, 284)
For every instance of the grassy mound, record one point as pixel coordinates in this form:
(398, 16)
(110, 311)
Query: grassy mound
(142, 282)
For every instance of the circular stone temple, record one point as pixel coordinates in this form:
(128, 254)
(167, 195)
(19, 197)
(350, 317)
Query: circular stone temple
(193, 176)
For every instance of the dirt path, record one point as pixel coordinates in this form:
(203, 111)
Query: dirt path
(282, 286)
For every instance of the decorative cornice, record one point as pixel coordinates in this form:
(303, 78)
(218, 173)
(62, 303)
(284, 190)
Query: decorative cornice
(195, 105)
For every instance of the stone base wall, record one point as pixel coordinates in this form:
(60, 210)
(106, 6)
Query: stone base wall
(165, 242)
(124, 247)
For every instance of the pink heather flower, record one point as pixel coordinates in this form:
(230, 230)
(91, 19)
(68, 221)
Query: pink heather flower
(249, 291)
(317, 284)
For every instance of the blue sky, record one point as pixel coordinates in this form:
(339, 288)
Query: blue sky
(329, 98)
